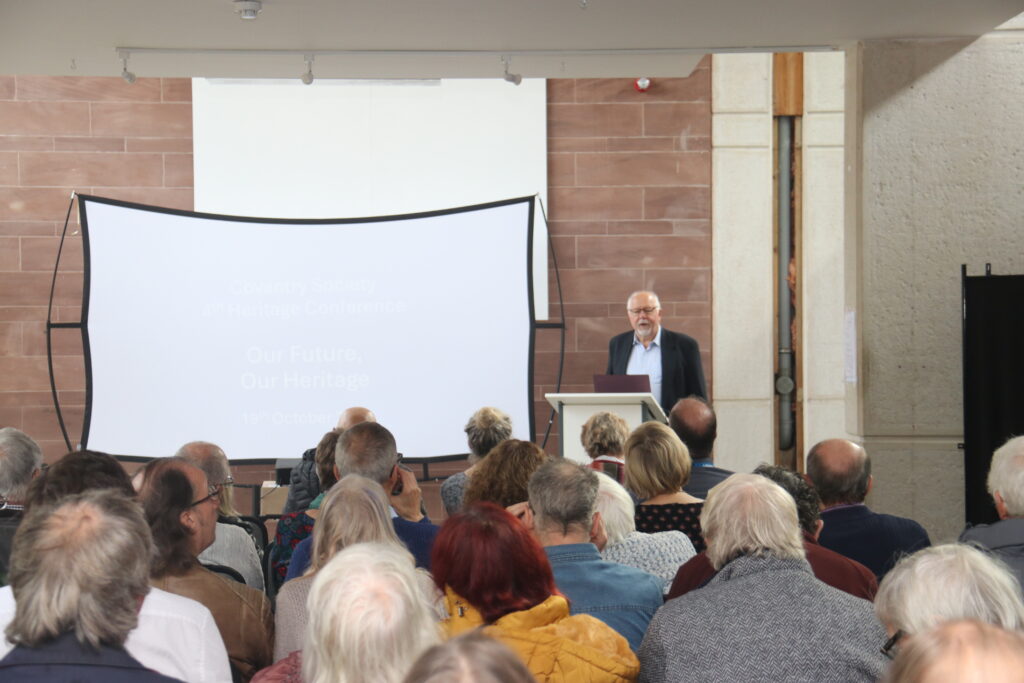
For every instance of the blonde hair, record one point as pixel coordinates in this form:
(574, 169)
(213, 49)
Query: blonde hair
(748, 514)
(945, 582)
(80, 565)
(355, 510)
(369, 618)
(604, 434)
(656, 461)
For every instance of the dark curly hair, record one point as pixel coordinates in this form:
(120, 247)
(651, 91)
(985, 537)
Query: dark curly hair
(808, 503)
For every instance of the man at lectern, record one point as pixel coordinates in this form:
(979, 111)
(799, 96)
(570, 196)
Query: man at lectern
(670, 359)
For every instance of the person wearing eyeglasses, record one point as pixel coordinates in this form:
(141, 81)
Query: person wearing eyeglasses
(181, 509)
(670, 359)
(233, 546)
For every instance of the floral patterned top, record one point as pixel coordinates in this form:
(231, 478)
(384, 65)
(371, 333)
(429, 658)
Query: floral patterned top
(683, 517)
(291, 529)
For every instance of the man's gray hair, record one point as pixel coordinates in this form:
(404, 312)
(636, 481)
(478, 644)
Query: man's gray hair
(367, 449)
(657, 299)
(563, 494)
(369, 617)
(211, 459)
(487, 428)
(1006, 475)
(80, 565)
(748, 514)
(618, 512)
(20, 458)
(945, 582)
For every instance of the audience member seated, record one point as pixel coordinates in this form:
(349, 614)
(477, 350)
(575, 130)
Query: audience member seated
(764, 616)
(562, 513)
(372, 620)
(659, 554)
(945, 582)
(694, 422)
(20, 461)
(1005, 538)
(354, 511)
(834, 569)
(965, 651)
(503, 476)
(294, 527)
(604, 437)
(75, 607)
(233, 546)
(369, 450)
(303, 484)
(181, 508)
(841, 471)
(175, 636)
(517, 602)
(470, 658)
(657, 469)
(486, 429)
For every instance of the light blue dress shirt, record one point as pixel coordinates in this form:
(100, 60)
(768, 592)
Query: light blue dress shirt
(647, 362)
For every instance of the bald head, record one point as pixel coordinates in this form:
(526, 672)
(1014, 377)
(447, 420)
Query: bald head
(209, 457)
(694, 422)
(354, 415)
(840, 470)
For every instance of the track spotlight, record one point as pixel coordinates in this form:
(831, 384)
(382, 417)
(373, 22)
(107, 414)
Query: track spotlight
(514, 79)
(307, 77)
(127, 75)
(248, 9)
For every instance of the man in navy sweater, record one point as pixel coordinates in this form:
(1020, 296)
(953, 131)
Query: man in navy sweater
(369, 450)
(841, 471)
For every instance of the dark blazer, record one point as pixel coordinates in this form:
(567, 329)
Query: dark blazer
(703, 476)
(682, 374)
(874, 539)
(64, 659)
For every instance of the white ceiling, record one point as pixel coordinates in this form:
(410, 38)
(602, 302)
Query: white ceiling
(544, 38)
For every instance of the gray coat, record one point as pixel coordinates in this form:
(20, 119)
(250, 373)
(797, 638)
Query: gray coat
(1004, 538)
(763, 619)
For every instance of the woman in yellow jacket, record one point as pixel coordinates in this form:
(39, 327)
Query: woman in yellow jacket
(495, 575)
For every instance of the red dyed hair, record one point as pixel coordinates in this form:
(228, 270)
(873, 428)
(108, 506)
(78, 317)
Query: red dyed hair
(489, 558)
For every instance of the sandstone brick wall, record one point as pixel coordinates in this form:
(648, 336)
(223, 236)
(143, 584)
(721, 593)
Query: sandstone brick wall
(629, 178)
(629, 188)
(95, 136)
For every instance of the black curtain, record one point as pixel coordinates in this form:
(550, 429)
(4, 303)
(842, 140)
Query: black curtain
(993, 326)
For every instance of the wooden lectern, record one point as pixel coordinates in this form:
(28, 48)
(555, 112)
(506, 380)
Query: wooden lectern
(575, 409)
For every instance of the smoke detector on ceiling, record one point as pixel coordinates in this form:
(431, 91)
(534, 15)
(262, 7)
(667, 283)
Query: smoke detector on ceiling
(247, 9)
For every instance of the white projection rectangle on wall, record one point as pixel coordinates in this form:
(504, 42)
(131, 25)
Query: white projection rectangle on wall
(255, 334)
(354, 148)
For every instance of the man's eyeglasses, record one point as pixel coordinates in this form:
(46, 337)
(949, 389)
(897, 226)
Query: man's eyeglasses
(889, 649)
(648, 310)
(214, 492)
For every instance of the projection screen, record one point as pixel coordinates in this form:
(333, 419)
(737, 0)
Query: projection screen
(256, 333)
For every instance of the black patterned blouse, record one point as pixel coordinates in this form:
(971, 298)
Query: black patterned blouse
(683, 517)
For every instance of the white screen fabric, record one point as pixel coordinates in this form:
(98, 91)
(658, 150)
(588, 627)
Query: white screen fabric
(256, 333)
